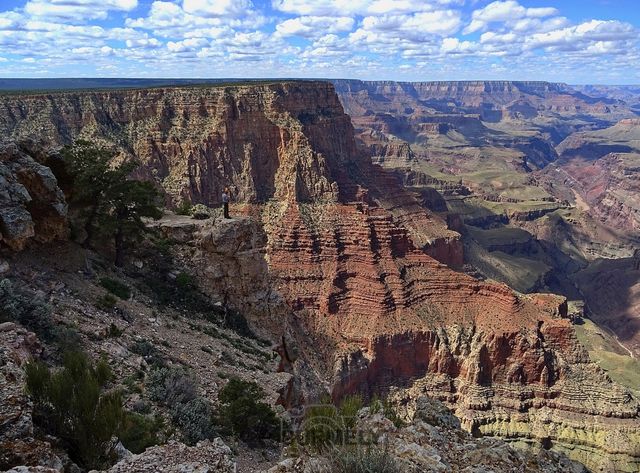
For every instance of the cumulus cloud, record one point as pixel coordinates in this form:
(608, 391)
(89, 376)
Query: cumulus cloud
(187, 45)
(314, 26)
(168, 19)
(144, 43)
(455, 46)
(440, 22)
(504, 11)
(582, 35)
(77, 9)
(358, 7)
(308, 37)
(217, 8)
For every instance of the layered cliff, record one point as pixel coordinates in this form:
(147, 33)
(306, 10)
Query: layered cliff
(194, 141)
(492, 99)
(361, 268)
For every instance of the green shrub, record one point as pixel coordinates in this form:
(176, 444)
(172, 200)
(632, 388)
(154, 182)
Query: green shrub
(384, 406)
(244, 415)
(171, 386)
(390, 413)
(361, 460)
(23, 306)
(67, 338)
(194, 419)
(148, 351)
(375, 404)
(201, 212)
(184, 208)
(322, 426)
(114, 331)
(175, 388)
(70, 404)
(106, 302)
(116, 288)
(348, 411)
(184, 281)
(139, 432)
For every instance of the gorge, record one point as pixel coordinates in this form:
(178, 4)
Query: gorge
(346, 263)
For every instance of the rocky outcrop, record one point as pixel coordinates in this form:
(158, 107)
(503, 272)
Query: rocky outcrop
(433, 441)
(20, 446)
(176, 457)
(32, 206)
(558, 402)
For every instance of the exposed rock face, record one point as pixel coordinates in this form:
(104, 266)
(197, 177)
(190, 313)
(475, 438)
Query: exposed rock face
(286, 141)
(610, 187)
(175, 457)
(341, 260)
(448, 124)
(491, 99)
(194, 142)
(32, 206)
(433, 442)
(18, 443)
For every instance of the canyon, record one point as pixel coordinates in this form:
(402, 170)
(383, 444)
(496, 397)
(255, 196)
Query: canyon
(363, 215)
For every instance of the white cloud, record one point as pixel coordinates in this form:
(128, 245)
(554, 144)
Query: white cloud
(440, 22)
(314, 26)
(217, 8)
(169, 20)
(504, 11)
(348, 38)
(583, 35)
(145, 43)
(187, 45)
(320, 7)
(77, 9)
(455, 46)
(358, 7)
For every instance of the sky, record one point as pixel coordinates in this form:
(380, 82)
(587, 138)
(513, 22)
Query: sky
(573, 41)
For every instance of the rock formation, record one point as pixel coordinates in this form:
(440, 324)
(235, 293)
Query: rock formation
(491, 99)
(32, 206)
(177, 457)
(19, 444)
(358, 270)
(432, 441)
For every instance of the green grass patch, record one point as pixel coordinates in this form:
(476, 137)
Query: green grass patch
(609, 355)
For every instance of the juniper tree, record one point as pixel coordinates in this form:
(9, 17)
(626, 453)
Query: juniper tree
(109, 201)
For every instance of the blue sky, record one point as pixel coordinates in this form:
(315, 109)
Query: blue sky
(577, 41)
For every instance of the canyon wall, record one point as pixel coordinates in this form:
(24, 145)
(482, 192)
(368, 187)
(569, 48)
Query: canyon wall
(492, 99)
(362, 269)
